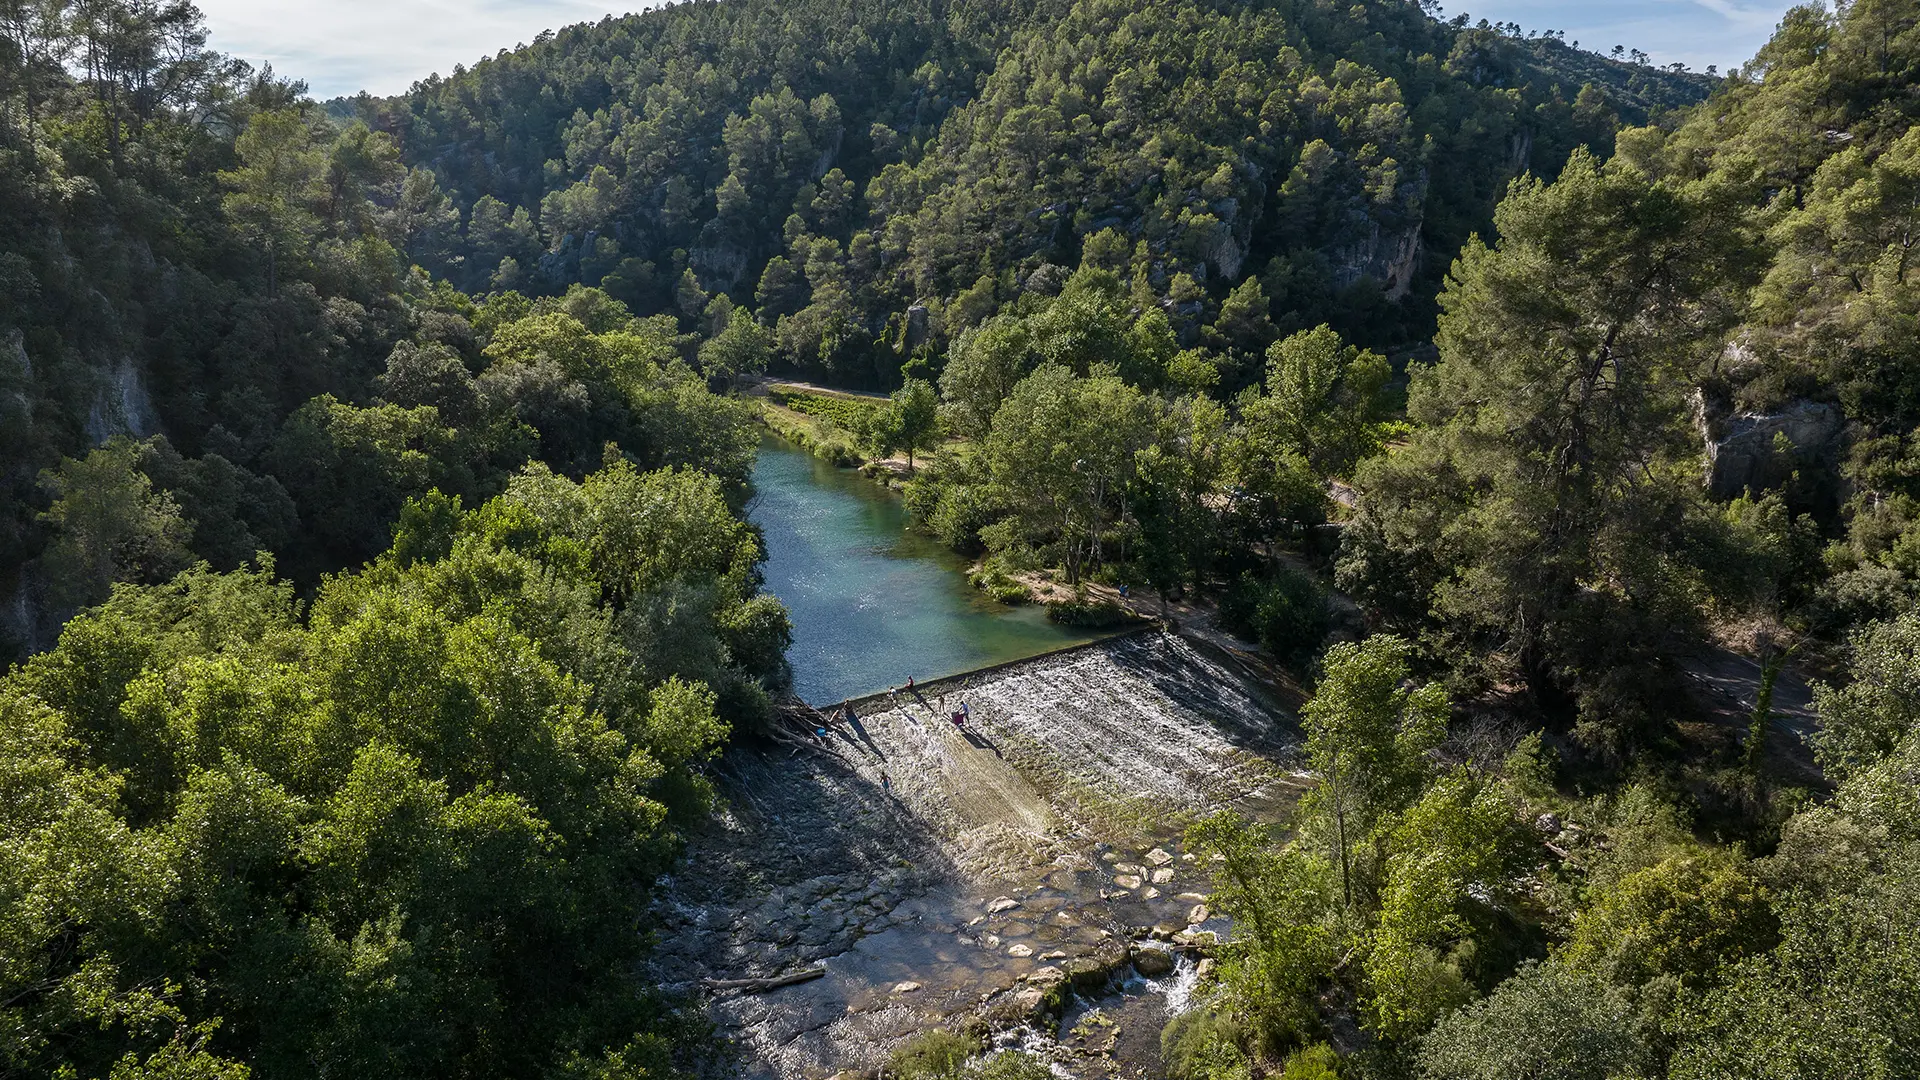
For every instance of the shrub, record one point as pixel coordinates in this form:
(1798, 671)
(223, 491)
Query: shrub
(1090, 614)
(1286, 613)
(932, 1055)
(1205, 1044)
(1000, 587)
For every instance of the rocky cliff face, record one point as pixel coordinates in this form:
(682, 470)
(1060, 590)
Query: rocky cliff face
(1756, 451)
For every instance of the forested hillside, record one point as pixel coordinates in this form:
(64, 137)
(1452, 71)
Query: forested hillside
(873, 178)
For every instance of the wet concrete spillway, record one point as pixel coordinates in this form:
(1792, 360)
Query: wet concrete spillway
(943, 874)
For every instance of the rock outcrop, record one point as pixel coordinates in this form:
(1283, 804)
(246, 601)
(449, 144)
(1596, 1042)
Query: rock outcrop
(1743, 451)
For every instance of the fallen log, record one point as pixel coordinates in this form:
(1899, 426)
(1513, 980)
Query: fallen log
(761, 986)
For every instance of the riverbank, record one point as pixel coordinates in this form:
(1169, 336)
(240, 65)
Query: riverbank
(993, 879)
(827, 423)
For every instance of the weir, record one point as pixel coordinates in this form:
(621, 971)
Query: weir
(940, 874)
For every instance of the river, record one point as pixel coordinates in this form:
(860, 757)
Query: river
(872, 602)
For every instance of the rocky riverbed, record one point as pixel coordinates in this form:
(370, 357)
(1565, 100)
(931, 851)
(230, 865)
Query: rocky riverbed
(1010, 875)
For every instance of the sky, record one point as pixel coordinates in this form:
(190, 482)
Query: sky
(383, 46)
(1724, 33)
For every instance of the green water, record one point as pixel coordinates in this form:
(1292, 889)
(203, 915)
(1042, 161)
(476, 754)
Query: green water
(871, 602)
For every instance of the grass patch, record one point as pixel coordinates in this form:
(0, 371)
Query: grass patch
(813, 435)
(851, 415)
(1092, 614)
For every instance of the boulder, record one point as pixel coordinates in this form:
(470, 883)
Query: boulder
(1038, 1001)
(1201, 940)
(1159, 857)
(917, 327)
(1743, 450)
(1152, 963)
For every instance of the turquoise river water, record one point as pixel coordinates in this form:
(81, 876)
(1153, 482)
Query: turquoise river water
(872, 602)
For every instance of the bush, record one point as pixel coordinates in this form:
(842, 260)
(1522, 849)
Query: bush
(1001, 588)
(932, 1055)
(1286, 613)
(1316, 1062)
(1205, 1044)
(1090, 614)
(1009, 1065)
(944, 1055)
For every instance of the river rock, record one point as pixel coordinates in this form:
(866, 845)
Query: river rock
(1021, 951)
(1159, 857)
(1199, 914)
(1152, 963)
(1197, 939)
(1151, 893)
(1002, 903)
(1127, 881)
(1091, 973)
(906, 987)
(1088, 974)
(1162, 875)
(1193, 897)
(1047, 976)
(1033, 1003)
(1204, 970)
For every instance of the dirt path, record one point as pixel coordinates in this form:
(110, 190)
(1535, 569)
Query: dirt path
(759, 386)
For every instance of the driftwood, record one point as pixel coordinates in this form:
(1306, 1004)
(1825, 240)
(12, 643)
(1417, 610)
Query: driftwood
(761, 986)
(793, 726)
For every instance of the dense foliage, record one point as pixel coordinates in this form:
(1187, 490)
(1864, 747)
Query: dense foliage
(195, 257)
(394, 820)
(873, 177)
(408, 828)
(1141, 280)
(1552, 541)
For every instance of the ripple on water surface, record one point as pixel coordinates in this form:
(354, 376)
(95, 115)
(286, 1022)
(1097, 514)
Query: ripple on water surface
(872, 603)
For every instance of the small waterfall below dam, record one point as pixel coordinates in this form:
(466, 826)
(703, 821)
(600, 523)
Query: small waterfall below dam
(939, 874)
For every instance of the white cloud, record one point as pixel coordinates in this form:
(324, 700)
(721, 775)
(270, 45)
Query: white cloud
(1744, 17)
(383, 46)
